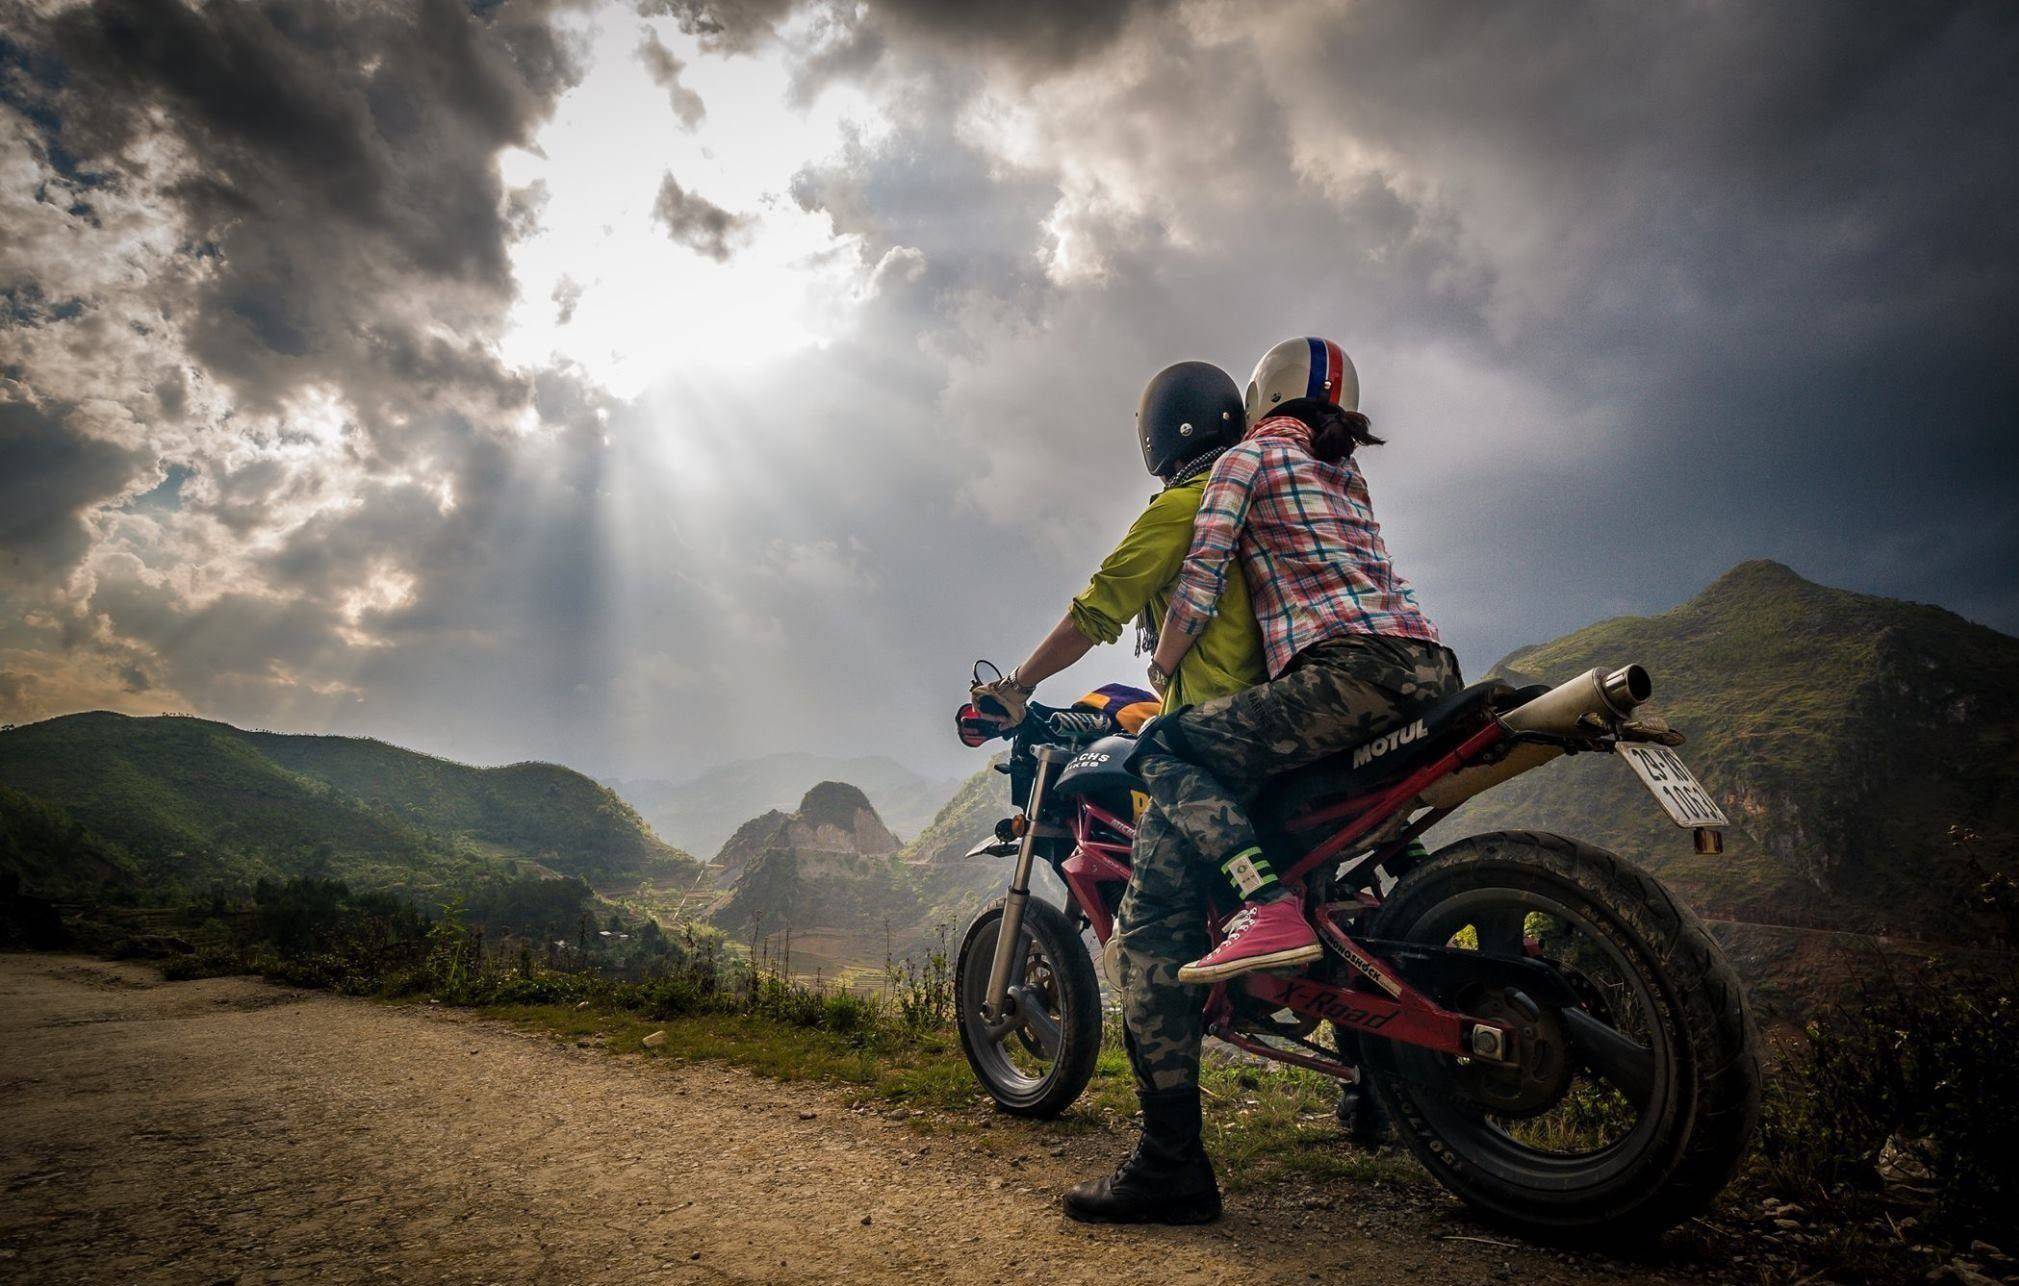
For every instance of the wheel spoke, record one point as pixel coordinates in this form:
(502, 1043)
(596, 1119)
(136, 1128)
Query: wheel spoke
(1622, 1061)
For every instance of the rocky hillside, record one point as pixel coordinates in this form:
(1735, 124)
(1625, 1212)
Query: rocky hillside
(951, 888)
(190, 804)
(746, 846)
(829, 864)
(702, 813)
(972, 812)
(1864, 747)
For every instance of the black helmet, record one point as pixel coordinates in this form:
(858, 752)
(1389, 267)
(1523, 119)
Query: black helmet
(1188, 409)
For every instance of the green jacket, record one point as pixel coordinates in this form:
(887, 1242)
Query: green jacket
(1135, 581)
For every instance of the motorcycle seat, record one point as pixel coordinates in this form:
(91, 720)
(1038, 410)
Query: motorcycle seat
(1402, 746)
(1101, 766)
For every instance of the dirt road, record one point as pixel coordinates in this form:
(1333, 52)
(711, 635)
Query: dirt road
(229, 1130)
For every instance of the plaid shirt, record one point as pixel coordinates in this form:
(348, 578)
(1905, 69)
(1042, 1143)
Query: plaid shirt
(1312, 552)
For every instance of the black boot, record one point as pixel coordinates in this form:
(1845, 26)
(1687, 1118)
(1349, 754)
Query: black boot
(1361, 1114)
(1167, 1178)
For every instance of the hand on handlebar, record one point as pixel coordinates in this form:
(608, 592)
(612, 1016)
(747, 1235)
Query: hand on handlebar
(1001, 698)
(1001, 701)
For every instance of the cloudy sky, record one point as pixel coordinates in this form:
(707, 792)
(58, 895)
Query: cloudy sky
(645, 385)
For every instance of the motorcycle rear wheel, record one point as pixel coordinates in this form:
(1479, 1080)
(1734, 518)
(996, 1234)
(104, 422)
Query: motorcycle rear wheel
(1589, 1164)
(1040, 1066)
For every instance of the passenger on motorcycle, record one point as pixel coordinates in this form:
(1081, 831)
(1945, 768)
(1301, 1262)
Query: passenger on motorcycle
(1347, 650)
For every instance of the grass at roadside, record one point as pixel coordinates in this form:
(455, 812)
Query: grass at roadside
(1263, 1125)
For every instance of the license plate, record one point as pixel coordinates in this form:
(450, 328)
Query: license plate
(1674, 787)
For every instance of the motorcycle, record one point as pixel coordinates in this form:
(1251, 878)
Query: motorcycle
(1555, 1036)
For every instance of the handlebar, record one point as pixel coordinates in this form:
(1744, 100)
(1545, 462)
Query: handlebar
(978, 722)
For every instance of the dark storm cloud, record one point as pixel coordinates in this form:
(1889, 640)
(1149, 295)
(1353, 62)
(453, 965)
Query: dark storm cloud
(696, 222)
(244, 210)
(342, 152)
(1736, 162)
(1045, 34)
(727, 26)
(924, 188)
(52, 474)
(1771, 245)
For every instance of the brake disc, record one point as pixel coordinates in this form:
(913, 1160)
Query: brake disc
(1540, 1075)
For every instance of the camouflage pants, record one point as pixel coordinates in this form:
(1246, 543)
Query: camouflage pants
(1336, 694)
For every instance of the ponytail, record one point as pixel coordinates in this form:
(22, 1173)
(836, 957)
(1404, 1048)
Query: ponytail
(1335, 431)
(1335, 437)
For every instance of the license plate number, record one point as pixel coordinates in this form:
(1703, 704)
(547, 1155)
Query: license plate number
(1674, 787)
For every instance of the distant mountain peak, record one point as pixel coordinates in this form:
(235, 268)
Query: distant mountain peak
(704, 812)
(750, 838)
(1756, 578)
(1760, 571)
(834, 801)
(828, 862)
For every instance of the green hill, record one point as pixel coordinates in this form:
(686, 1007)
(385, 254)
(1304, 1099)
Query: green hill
(1864, 747)
(197, 803)
(550, 814)
(48, 850)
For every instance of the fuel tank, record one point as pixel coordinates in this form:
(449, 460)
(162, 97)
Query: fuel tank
(1097, 770)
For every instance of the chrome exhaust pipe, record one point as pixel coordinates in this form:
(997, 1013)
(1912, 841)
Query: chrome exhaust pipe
(1626, 688)
(1594, 694)
(1565, 710)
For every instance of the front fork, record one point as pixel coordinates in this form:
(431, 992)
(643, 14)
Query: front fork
(1010, 929)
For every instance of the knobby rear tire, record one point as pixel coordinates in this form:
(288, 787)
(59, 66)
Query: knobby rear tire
(1710, 1120)
(1079, 1008)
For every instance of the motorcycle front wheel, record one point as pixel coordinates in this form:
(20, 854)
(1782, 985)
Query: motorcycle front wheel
(1036, 1064)
(1631, 1109)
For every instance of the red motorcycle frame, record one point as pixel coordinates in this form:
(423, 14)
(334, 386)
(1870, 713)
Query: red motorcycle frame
(1383, 1003)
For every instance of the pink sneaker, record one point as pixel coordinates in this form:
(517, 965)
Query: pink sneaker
(1262, 935)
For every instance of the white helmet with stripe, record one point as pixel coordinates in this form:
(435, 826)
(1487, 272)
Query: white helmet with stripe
(1307, 367)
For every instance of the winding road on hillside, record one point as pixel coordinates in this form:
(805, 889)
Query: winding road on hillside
(230, 1130)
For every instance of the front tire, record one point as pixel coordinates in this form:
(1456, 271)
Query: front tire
(1039, 1067)
(1592, 1164)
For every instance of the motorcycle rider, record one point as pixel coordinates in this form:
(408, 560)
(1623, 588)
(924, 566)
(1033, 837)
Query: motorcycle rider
(1348, 651)
(1190, 414)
